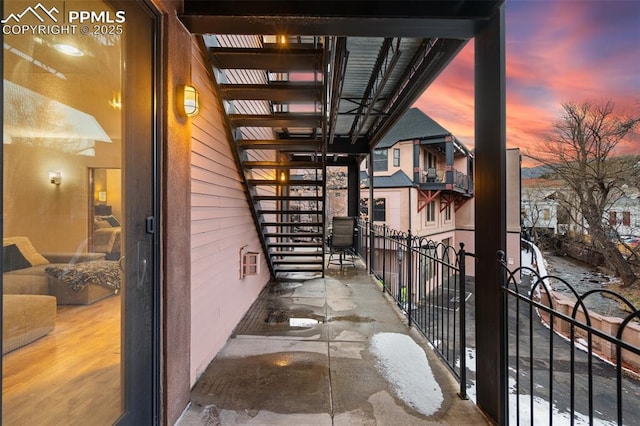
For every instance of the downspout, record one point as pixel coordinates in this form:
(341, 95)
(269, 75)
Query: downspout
(410, 210)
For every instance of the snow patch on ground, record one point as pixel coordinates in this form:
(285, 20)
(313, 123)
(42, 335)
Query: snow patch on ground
(405, 366)
(541, 411)
(540, 407)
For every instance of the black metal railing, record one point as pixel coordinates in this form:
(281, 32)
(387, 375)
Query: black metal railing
(564, 361)
(428, 282)
(461, 180)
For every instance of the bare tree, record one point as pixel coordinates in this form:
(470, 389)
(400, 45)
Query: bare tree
(580, 151)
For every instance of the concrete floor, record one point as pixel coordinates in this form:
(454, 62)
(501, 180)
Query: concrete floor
(312, 352)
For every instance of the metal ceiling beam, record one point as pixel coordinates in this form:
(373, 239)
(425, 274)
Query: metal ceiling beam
(427, 65)
(385, 63)
(274, 91)
(272, 59)
(336, 77)
(446, 19)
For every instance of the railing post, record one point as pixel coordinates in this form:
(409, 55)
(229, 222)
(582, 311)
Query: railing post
(409, 279)
(463, 323)
(372, 244)
(384, 257)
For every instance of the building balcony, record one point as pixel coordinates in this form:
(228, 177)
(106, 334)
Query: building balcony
(438, 179)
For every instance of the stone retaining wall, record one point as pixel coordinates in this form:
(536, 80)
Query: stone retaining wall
(608, 325)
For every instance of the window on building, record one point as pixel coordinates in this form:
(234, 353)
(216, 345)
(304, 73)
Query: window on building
(379, 209)
(430, 160)
(427, 264)
(613, 218)
(430, 212)
(447, 213)
(626, 218)
(396, 157)
(380, 160)
(546, 214)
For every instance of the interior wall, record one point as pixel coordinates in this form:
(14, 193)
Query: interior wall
(114, 191)
(54, 217)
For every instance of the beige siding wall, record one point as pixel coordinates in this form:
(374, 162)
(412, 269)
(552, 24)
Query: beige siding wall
(221, 227)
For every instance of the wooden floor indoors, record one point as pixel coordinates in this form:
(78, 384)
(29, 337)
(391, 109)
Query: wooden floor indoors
(72, 375)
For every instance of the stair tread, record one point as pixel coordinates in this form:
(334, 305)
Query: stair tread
(277, 120)
(273, 59)
(295, 244)
(301, 268)
(281, 144)
(297, 262)
(279, 91)
(301, 212)
(292, 182)
(296, 254)
(293, 234)
(287, 197)
(300, 224)
(283, 165)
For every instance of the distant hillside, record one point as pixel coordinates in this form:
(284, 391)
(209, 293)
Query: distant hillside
(533, 172)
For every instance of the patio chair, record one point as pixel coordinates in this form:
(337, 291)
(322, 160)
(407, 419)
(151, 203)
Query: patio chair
(342, 240)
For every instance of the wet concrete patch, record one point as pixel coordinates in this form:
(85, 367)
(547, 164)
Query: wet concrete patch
(284, 287)
(283, 382)
(352, 318)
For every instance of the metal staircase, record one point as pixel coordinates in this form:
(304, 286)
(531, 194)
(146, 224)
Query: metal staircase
(279, 137)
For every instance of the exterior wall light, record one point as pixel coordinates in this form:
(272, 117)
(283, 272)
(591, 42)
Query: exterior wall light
(188, 100)
(55, 178)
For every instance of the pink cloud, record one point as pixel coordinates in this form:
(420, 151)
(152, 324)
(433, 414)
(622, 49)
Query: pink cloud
(556, 52)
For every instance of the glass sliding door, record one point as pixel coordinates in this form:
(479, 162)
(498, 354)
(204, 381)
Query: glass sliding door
(78, 155)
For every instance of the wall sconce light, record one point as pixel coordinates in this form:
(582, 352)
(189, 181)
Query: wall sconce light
(55, 178)
(188, 100)
(116, 101)
(102, 196)
(283, 177)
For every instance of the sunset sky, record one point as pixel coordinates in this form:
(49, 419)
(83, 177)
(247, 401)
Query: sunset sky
(556, 51)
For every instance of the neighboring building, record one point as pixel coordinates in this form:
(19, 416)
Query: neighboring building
(423, 182)
(624, 214)
(542, 212)
(548, 208)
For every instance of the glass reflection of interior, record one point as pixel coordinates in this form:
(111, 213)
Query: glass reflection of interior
(62, 226)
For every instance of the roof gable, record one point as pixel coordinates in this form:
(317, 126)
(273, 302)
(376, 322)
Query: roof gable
(397, 180)
(414, 124)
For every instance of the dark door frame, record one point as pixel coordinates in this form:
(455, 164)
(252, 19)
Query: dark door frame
(141, 325)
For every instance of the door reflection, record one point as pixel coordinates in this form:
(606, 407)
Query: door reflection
(62, 225)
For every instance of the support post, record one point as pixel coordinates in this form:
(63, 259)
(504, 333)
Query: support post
(353, 189)
(372, 237)
(416, 162)
(449, 160)
(490, 214)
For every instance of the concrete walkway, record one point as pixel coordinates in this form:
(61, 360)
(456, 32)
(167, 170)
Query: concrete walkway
(327, 351)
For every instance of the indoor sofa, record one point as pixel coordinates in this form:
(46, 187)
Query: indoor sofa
(33, 284)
